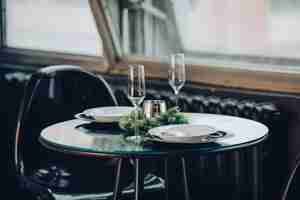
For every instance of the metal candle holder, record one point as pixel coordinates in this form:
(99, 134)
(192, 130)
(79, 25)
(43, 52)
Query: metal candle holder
(153, 108)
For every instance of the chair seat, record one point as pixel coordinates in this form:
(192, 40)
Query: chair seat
(55, 182)
(53, 177)
(61, 180)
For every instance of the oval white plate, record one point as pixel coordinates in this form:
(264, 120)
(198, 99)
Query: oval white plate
(184, 133)
(105, 114)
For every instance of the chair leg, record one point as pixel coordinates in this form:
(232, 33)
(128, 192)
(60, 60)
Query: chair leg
(291, 177)
(139, 179)
(117, 189)
(185, 181)
(166, 179)
(257, 161)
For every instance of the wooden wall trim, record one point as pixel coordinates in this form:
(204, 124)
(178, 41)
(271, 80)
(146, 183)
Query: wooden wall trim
(220, 76)
(45, 58)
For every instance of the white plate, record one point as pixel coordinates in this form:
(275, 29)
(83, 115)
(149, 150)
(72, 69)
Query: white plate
(185, 133)
(105, 114)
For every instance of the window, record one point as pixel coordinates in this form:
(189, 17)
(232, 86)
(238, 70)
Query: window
(65, 26)
(257, 27)
(257, 31)
(235, 43)
(144, 27)
(226, 33)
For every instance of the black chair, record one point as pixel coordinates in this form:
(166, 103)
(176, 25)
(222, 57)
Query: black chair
(55, 94)
(292, 188)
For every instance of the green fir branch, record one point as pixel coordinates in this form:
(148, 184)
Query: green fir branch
(171, 116)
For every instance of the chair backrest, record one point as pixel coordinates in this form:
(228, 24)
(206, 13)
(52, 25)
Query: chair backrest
(292, 188)
(54, 94)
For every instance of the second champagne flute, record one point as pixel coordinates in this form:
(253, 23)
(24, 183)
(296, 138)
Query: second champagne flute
(177, 74)
(136, 92)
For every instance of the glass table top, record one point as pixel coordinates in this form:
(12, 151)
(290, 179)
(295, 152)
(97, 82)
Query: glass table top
(85, 138)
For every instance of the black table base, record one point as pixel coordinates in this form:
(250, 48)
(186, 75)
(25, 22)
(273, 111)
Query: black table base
(139, 179)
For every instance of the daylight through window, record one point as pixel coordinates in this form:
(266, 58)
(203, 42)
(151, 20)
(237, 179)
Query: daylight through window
(65, 26)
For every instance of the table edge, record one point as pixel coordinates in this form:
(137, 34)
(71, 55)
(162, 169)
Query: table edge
(80, 152)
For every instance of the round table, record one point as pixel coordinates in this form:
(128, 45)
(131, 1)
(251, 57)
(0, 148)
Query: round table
(77, 137)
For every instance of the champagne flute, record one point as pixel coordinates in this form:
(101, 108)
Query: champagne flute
(136, 92)
(177, 74)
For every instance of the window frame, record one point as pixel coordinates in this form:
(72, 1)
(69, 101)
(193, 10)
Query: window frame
(242, 77)
(2, 24)
(41, 58)
(116, 62)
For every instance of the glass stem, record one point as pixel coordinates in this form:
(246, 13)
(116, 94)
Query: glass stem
(136, 131)
(176, 98)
